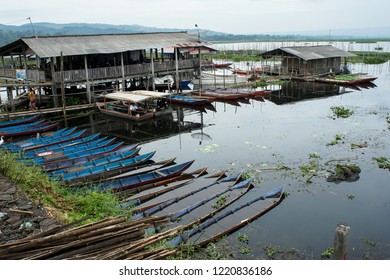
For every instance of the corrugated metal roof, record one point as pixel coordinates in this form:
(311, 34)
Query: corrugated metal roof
(52, 46)
(310, 52)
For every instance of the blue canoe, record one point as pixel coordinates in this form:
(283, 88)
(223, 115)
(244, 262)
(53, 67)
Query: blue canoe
(68, 141)
(59, 142)
(84, 159)
(24, 125)
(83, 154)
(101, 169)
(68, 149)
(188, 100)
(61, 155)
(47, 138)
(19, 121)
(28, 130)
(135, 181)
(96, 162)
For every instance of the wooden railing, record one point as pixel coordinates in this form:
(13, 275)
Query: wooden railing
(105, 73)
(134, 70)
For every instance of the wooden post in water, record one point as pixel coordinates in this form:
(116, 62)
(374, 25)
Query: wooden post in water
(340, 243)
(10, 98)
(177, 69)
(63, 85)
(87, 79)
(152, 65)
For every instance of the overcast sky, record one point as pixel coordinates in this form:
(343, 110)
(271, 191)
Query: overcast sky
(231, 16)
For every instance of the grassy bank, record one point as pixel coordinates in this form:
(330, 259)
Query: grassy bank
(66, 206)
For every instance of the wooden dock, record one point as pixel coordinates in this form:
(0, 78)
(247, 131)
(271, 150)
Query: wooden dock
(10, 115)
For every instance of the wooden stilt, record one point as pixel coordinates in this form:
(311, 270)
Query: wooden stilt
(340, 243)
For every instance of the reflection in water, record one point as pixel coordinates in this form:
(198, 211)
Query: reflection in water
(294, 91)
(141, 132)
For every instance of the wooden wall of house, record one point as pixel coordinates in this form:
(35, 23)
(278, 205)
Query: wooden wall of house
(300, 67)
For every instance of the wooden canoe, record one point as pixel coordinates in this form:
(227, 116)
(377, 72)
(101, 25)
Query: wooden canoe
(66, 141)
(230, 219)
(102, 171)
(142, 179)
(52, 155)
(95, 151)
(19, 121)
(47, 138)
(28, 130)
(96, 162)
(86, 158)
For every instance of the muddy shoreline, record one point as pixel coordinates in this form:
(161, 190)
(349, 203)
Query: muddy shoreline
(20, 217)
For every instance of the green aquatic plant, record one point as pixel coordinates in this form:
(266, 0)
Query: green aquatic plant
(336, 140)
(383, 162)
(327, 253)
(245, 250)
(341, 112)
(243, 238)
(220, 201)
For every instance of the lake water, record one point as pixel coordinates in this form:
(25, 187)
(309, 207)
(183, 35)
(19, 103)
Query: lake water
(284, 130)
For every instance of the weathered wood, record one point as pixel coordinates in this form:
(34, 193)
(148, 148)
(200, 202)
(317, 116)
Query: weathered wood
(340, 243)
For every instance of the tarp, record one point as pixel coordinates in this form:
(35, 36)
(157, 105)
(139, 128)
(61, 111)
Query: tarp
(154, 94)
(126, 96)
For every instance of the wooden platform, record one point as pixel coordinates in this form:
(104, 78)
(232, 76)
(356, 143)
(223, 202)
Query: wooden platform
(11, 115)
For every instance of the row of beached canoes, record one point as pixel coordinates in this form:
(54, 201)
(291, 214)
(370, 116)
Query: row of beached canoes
(204, 206)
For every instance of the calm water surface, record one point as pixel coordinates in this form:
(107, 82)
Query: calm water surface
(284, 130)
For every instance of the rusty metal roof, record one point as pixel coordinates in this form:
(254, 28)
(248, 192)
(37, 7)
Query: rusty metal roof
(52, 46)
(308, 52)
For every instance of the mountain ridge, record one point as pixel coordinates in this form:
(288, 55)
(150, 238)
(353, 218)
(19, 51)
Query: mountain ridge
(9, 33)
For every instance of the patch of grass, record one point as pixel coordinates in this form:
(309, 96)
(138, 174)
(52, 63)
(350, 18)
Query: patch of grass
(65, 205)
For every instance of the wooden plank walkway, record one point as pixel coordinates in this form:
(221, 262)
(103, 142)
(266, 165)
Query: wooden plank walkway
(10, 115)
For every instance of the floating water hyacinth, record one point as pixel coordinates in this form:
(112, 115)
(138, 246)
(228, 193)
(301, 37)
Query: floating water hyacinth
(209, 149)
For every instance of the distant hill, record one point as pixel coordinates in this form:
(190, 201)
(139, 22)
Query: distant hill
(9, 33)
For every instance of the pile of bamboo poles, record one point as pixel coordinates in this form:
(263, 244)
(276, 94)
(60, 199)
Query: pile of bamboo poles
(108, 239)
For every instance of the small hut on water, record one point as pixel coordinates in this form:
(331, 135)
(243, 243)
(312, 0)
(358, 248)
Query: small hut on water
(306, 61)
